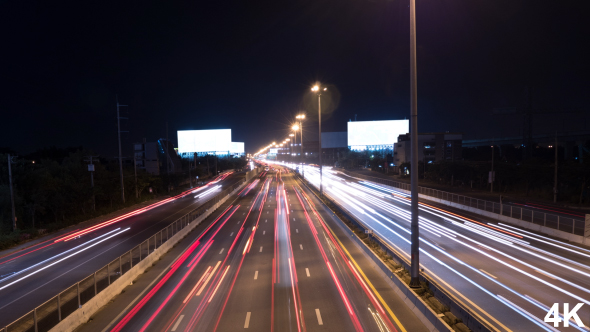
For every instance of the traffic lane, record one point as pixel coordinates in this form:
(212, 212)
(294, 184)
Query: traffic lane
(400, 310)
(38, 253)
(162, 312)
(19, 298)
(318, 289)
(250, 300)
(468, 282)
(362, 312)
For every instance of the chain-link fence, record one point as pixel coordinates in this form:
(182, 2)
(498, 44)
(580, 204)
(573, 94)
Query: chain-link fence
(562, 223)
(50, 313)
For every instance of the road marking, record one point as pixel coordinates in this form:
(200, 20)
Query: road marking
(260, 248)
(301, 246)
(244, 213)
(232, 233)
(263, 232)
(221, 250)
(307, 271)
(238, 222)
(265, 220)
(266, 212)
(546, 275)
(317, 313)
(293, 219)
(491, 275)
(177, 323)
(296, 230)
(247, 323)
(256, 275)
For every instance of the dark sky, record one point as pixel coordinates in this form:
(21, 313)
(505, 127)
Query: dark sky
(248, 65)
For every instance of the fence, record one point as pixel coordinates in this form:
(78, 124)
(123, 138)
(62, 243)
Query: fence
(564, 224)
(50, 313)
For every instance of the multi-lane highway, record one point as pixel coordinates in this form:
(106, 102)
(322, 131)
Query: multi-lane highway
(508, 276)
(31, 276)
(273, 259)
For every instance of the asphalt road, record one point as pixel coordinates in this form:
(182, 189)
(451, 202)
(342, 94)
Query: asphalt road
(510, 277)
(273, 260)
(32, 276)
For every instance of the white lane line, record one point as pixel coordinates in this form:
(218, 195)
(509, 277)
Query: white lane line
(491, 275)
(307, 271)
(221, 250)
(260, 248)
(263, 232)
(247, 323)
(232, 233)
(293, 219)
(238, 222)
(244, 213)
(266, 212)
(301, 246)
(265, 220)
(256, 275)
(546, 275)
(296, 230)
(317, 313)
(177, 323)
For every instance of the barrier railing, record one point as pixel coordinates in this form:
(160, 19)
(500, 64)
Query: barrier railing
(50, 313)
(562, 223)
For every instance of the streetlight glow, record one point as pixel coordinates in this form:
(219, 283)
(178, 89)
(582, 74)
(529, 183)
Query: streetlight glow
(295, 127)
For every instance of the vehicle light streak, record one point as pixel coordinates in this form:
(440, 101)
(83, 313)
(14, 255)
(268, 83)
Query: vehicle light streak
(197, 284)
(58, 261)
(31, 251)
(58, 255)
(208, 278)
(153, 291)
(200, 254)
(219, 283)
(207, 192)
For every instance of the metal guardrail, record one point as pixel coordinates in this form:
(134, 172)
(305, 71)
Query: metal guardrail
(564, 224)
(50, 313)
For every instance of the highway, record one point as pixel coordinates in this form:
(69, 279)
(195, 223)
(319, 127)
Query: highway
(273, 259)
(32, 276)
(508, 276)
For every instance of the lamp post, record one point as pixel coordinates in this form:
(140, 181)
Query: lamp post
(317, 89)
(292, 146)
(415, 248)
(301, 117)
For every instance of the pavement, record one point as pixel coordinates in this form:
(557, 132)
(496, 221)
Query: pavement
(508, 276)
(31, 276)
(275, 259)
(534, 204)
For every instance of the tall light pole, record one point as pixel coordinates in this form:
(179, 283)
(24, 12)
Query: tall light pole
(293, 146)
(415, 249)
(317, 89)
(301, 117)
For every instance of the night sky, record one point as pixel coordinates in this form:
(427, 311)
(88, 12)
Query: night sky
(249, 65)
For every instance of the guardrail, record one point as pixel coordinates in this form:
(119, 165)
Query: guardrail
(561, 223)
(50, 313)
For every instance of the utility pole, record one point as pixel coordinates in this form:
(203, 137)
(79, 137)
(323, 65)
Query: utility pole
(91, 170)
(492, 175)
(120, 157)
(135, 171)
(415, 237)
(11, 193)
(555, 174)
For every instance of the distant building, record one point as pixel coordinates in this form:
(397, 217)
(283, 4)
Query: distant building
(432, 147)
(147, 157)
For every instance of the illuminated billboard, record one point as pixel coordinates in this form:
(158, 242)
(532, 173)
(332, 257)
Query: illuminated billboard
(237, 147)
(215, 140)
(362, 134)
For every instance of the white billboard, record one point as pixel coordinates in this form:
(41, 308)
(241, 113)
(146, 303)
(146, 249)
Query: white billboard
(204, 140)
(363, 133)
(237, 147)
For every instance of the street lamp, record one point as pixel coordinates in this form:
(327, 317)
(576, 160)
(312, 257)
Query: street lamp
(415, 247)
(301, 117)
(317, 89)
